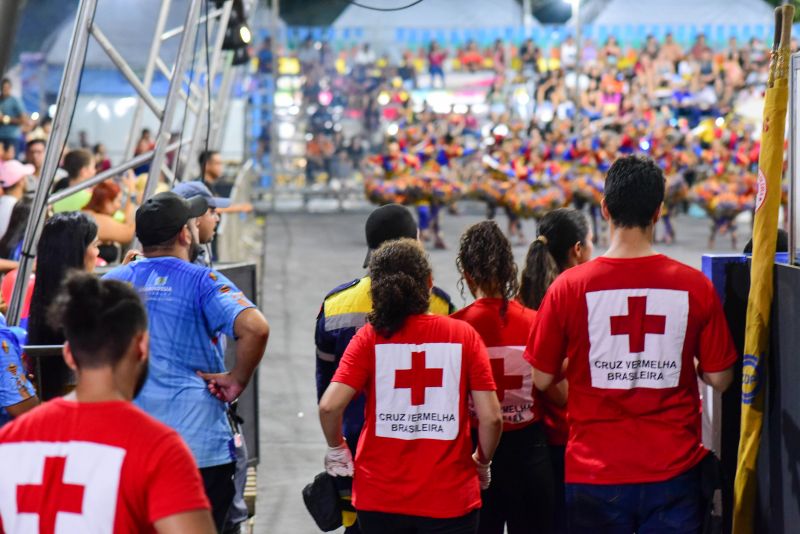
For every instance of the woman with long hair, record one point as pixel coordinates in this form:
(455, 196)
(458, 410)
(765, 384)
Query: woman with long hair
(68, 243)
(564, 241)
(11, 242)
(521, 495)
(415, 468)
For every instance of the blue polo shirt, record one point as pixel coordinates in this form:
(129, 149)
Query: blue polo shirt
(189, 307)
(12, 107)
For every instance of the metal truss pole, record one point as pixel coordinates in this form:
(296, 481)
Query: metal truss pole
(201, 123)
(171, 102)
(67, 98)
(149, 70)
(219, 111)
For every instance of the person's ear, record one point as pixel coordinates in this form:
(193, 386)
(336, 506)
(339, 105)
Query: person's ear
(604, 210)
(143, 346)
(69, 358)
(656, 215)
(430, 281)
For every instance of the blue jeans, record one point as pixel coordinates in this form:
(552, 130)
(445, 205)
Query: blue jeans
(674, 505)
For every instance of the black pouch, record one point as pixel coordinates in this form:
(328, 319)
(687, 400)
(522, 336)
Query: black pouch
(323, 503)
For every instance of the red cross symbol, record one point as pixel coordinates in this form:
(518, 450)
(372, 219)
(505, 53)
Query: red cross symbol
(502, 380)
(418, 378)
(637, 324)
(51, 497)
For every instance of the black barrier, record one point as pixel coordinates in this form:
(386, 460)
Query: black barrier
(243, 275)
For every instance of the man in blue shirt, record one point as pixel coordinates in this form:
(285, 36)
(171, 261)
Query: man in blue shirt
(190, 307)
(12, 115)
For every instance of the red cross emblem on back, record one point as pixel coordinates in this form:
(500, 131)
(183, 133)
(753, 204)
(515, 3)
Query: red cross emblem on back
(418, 378)
(51, 496)
(637, 324)
(502, 380)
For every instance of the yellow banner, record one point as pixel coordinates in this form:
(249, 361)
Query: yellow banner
(765, 229)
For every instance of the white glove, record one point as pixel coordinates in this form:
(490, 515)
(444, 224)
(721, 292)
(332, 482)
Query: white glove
(484, 471)
(339, 461)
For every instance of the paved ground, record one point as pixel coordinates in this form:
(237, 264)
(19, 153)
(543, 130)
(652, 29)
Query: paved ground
(306, 256)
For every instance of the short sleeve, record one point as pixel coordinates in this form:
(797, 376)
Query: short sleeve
(14, 385)
(221, 302)
(174, 483)
(480, 370)
(547, 342)
(716, 351)
(355, 367)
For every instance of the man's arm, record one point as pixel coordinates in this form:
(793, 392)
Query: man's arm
(197, 521)
(252, 332)
(331, 409)
(15, 410)
(719, 381)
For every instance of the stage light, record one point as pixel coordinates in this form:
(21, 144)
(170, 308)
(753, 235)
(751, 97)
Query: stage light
(392, 129)
(720, 122)
(244, 33)
(383, 98)
(35, 116)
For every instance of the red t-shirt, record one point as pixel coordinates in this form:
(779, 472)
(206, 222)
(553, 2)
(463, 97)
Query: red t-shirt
(93, 467)
(414, 455)
(505, 339)
(631, 329)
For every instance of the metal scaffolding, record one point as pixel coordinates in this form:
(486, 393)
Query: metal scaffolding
(195, 91)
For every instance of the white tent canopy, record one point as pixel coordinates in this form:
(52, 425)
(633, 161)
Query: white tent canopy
(446, 14)
(685, 12)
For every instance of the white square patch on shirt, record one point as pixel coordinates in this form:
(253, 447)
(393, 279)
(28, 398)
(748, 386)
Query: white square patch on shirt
(636, 337)
(417, 390)
(59, 487)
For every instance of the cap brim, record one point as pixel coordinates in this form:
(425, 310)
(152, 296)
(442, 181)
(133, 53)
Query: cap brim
(366, 259)
(219, 202)
(197, 206)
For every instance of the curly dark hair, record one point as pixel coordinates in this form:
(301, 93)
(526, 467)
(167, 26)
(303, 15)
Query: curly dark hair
(548, 255)
(400, 274)
(485, 256)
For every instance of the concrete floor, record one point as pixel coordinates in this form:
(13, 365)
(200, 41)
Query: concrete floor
(306, 256)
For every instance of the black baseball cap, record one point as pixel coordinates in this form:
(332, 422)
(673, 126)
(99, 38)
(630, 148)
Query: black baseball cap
(162, 216)
(387, 223)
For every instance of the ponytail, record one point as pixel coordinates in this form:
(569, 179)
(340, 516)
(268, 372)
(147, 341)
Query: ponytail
(548, 255)
(400, 273)
(539, 272)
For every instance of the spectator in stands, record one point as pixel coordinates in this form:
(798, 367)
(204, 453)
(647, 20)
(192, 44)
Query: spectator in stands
(671, 51)
(212, 170)
(265, 57)
(79, 165)
(11, 242)
(115, 225)
(128, 472)
(436, 59)
(499, 57)
(13, 176)
(101, 161)
(650, 326)
(569, 53)
(34, 155)
(144, 144)
(12, 117)
(699, 48)
(189, 308)
(68, 242)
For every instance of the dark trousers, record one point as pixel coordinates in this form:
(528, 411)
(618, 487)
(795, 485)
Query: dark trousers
(382, 523)
(557, 453)
(671, 506)
(521, 495)
(218, 483)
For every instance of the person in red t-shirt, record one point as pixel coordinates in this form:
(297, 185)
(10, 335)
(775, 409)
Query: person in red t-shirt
(521, 494)
(415, 470)
(92, 461)
(564, 241)
(632, 324)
